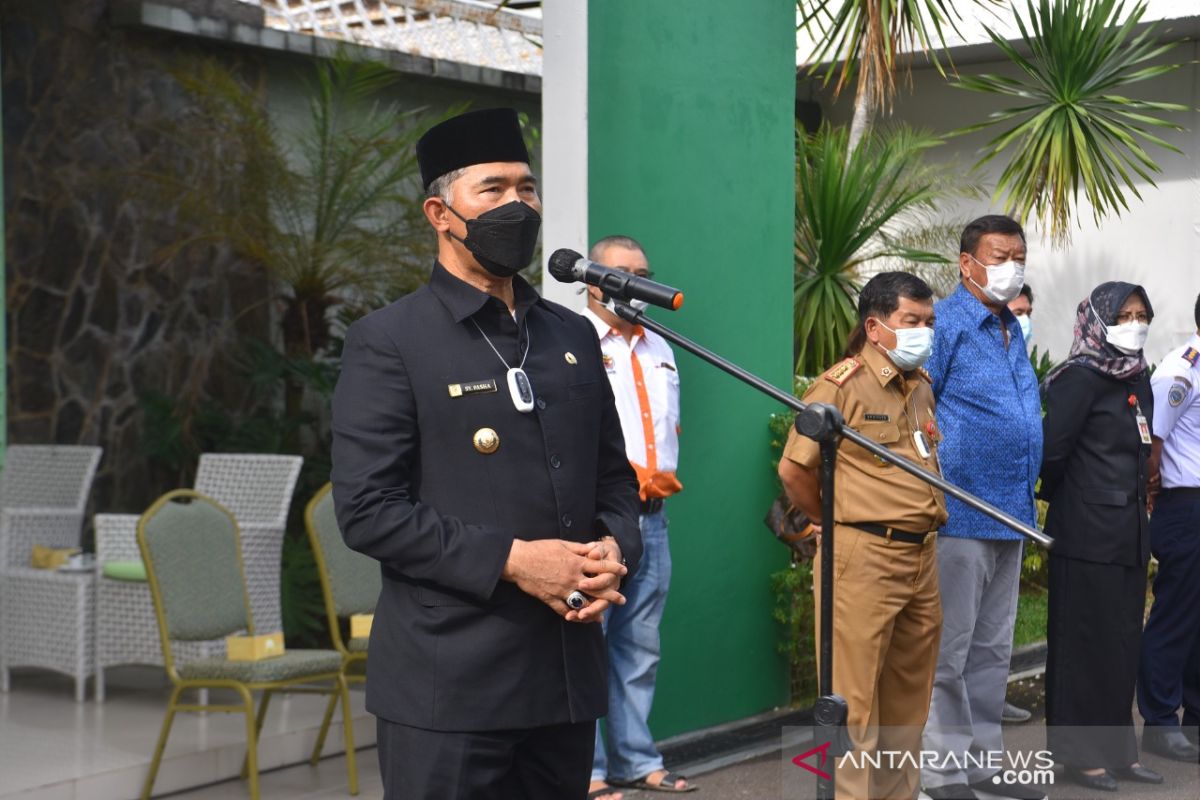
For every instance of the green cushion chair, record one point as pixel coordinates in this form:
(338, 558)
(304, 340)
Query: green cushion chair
(192, 551)
(350, 583)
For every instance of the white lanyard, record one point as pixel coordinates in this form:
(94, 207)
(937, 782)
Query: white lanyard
(519, 387)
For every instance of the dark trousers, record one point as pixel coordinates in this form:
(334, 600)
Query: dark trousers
(1095, 619)
(1169, 675)
(548, 763)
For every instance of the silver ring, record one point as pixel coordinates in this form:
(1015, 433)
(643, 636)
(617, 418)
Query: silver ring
(576, 600)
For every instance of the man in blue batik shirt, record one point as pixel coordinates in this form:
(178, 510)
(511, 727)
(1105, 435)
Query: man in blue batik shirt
(989, 413)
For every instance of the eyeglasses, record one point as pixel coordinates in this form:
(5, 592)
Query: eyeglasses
(1129, 316)
(637, 273)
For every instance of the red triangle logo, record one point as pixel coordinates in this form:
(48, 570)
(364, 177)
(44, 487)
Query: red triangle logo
(822, 752)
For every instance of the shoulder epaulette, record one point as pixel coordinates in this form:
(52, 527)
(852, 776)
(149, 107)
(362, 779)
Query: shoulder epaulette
(841, 371)
(925, 376)
(1191, 355)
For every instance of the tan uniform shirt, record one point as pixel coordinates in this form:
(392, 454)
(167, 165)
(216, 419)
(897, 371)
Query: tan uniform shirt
(879, 401)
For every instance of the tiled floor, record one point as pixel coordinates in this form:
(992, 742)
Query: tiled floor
(52, 747)
(326, 781)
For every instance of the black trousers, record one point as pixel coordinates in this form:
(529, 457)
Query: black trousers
(1170, 666)
(1094, 640)
(548, 763)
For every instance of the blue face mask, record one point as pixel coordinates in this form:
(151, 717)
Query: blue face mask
(913, 346)
(1026, 326)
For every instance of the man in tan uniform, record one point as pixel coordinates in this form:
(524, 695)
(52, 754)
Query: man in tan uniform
(887, 611)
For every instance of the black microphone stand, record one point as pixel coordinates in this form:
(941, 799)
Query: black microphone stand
(823, 424)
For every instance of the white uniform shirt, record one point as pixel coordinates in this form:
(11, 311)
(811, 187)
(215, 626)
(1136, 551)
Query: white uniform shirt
(660, 379)
(1176, 385)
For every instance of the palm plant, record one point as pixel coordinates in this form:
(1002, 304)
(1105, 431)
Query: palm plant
(869, 35)
(331, 208)
(333, 205)
(850, 207)
(1072, 127)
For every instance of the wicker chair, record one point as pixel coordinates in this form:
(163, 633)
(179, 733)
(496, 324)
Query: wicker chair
(43, 492)
(350, 583)
(257, 490)
(45, 616)
(126, 630)
(193, 557)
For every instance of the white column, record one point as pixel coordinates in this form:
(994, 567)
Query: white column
(564, 139)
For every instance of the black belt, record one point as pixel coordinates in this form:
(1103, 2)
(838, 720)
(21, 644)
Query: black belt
(652, 506)
(891, 534)
(1190, 492)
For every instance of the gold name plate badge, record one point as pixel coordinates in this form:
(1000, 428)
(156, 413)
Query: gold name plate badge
(475, 387)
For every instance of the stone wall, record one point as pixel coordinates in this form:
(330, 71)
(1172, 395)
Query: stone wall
(99, 307)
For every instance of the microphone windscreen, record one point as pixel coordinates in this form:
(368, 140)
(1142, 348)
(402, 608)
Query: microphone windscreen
(562, 264)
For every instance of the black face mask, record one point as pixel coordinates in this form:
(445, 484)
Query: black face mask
(503, 239)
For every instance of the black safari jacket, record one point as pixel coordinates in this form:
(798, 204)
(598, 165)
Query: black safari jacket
(453, 647)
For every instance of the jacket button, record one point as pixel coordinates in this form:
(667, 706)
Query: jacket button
(566, 520)
(555, 461)
(541, 404)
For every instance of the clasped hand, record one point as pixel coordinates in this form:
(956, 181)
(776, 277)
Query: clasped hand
(550, 569)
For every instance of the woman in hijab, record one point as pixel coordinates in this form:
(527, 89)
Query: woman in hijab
(1097, 440)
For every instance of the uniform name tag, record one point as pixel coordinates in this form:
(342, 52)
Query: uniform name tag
(877, 417)
(1143, 428)
(475, 387)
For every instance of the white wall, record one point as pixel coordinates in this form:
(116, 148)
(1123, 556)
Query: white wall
(564, 140)
(1156, 243)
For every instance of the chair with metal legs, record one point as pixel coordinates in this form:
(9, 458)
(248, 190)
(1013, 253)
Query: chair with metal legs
(192, 552)
(350, 583)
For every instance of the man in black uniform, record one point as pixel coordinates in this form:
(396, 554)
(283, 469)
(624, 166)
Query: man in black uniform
(477, 454)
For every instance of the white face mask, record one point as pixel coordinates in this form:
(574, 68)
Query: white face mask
(1026, 326)
(1128, 338)
(1004, 280)
(913, 346)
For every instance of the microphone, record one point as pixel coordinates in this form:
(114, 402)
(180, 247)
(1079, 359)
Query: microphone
(567, 266)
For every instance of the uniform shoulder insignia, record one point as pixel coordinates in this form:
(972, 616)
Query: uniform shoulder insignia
(1178, 392)
(841, 371)
(1191, 355)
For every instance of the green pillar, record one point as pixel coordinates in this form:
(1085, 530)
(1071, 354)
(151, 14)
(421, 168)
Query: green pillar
(690, 150)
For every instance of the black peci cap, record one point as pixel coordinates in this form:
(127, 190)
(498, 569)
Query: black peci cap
(477, 137)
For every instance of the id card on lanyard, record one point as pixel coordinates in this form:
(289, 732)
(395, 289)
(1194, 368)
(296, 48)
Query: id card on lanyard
(1142, 423)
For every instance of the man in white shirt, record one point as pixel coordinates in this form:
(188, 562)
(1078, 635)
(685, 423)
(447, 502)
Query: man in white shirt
(1169, 668)
(645, 384)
